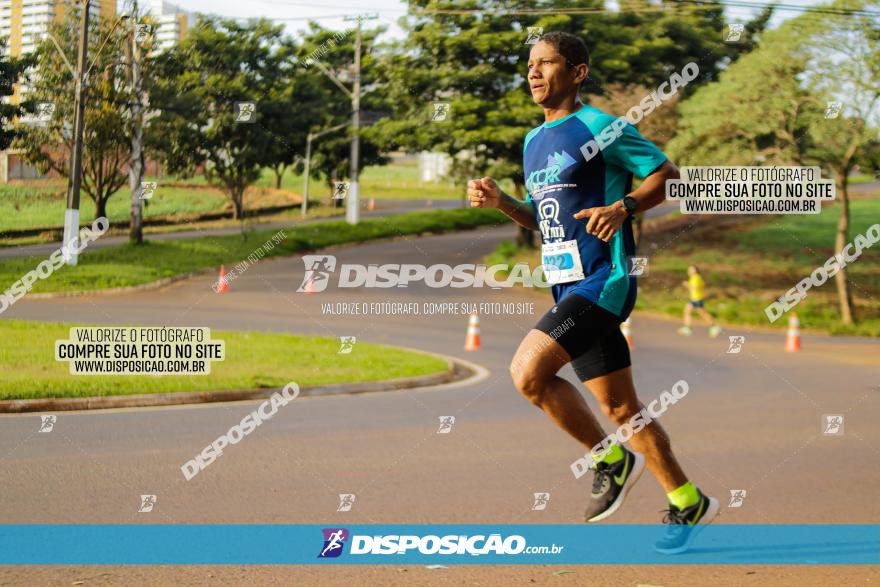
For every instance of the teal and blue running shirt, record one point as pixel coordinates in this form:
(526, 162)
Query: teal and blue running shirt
(561, 181)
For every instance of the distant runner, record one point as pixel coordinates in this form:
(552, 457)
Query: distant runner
(696, 290)
(583, 207)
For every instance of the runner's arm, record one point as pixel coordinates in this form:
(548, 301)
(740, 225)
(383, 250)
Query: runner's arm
(652, 192)
(518, 211)
(605, 221)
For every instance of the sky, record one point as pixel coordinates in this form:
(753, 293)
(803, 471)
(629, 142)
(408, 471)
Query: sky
(331, 14)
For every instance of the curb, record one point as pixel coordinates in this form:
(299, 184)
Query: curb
(457, 370)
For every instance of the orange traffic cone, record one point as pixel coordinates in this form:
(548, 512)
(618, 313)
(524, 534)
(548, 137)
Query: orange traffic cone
(371, 205)
(626, 329)
(472, 341)
(222, 284)
(793, 339)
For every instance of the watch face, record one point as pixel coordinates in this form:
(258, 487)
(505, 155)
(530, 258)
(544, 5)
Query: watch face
(630, 204)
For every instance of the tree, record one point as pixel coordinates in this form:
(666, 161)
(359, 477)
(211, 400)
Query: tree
(770, 107)
(12, 71)
(753, 113)
(843, 63)
(456, 86)
(326, 105)
(303, 106)
(472, 55)
(646, 41)
(204, 90)
(105, 139)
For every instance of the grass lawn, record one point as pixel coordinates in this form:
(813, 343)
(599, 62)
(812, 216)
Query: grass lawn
(41, 203)
(128, 264)
(399, 180)
(862, 178)
(253, 360)
(292, 216)
(396, 181)
(38, 204)
(749, 265)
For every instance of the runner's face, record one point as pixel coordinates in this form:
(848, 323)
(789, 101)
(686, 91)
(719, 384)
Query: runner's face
(550, 80)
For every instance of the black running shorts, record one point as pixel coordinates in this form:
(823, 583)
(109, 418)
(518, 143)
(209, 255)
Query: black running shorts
(590, 335)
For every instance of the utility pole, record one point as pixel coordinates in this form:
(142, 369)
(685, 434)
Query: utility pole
(71, 215)
(136, 164)
(352, 210)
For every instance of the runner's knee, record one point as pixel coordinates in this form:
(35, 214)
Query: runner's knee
(527, 382)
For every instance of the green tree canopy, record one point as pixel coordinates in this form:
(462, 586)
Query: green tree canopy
(12, 72)
(203, 90)
(329, 106)
(48, 143)
(472, 55)
(777, 106)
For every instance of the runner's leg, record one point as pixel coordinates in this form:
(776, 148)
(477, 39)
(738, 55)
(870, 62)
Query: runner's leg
(533, 369)
(706, 316)
(616, 395)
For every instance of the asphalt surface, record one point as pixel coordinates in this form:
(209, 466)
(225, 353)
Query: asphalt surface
(751, 421)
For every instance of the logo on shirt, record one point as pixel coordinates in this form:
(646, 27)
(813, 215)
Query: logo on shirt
(548, 223)
(556, 164)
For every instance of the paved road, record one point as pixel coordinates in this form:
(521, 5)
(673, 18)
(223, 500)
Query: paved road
(870, 186)
(751, 421)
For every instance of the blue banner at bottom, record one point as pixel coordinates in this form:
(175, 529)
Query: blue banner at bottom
(154, 544)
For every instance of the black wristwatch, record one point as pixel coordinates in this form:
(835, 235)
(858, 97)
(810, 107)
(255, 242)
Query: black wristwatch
(630, 205)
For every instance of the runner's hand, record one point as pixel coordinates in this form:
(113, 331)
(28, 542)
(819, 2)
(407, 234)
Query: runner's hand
(604, 221)
(484, 193)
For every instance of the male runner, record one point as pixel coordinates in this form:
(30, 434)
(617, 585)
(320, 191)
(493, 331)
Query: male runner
(583, 208)
(696, 292)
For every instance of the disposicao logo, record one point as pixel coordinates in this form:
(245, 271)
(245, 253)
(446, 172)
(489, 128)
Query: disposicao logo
(320, 268)
(334, 540)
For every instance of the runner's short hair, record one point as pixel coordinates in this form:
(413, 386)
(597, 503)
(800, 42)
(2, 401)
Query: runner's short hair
(569, 46)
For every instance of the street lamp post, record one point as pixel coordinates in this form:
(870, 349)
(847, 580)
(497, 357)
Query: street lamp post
(136, 165)
(80, 77)
(352, 209)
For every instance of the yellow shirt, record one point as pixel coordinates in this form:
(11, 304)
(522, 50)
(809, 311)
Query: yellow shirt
(696, 285)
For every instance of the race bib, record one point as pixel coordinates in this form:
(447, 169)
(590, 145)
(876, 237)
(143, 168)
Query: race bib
(562, 262)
